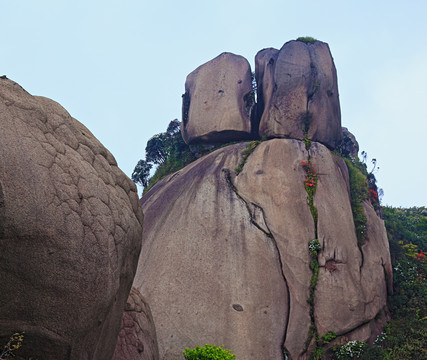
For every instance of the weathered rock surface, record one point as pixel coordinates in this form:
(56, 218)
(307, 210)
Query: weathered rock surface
(70, 229)
(300, 93)
(137, 338)
(218, 101)
(225, 258)
(265, 61)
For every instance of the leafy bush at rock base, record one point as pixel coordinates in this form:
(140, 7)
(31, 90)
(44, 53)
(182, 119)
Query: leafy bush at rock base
(208, 352)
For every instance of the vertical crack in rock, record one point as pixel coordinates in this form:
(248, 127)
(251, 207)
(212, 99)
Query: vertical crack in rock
(388, 281)
(362, 256)
(313, 87)
(185, 107)
(267, 233)
(2, 212)
(310, 184)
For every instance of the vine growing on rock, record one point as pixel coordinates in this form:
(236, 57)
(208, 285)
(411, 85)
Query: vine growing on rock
(310, 184)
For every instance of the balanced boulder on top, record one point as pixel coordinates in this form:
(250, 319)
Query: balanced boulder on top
(218, 101)
(299, 93)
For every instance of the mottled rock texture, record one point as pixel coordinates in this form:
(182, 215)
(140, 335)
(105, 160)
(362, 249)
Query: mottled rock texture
(137, 338)
(218, 101)
(299, 93)
(225, 257)
(70, 232)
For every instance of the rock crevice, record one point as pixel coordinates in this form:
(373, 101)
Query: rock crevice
(251, 207)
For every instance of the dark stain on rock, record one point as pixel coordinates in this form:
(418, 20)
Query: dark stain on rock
(237, 307)
(331, 265)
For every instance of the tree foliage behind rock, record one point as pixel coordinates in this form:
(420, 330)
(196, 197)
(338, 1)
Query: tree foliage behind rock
(167, 151)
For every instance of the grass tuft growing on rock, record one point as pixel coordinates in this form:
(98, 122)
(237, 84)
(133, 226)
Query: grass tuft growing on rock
(245, 153)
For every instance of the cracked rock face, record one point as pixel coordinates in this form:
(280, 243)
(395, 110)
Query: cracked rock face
(70, 228)
(299, 93)
(137, 338)
(218, 101)
(225, 257)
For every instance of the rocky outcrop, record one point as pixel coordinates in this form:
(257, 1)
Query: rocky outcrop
(299, 93)
(349, 146)
(225, 257)
(70, 230)
(137, 338)
(218, 101)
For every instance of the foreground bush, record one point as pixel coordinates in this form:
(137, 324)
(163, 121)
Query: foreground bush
(208, 352)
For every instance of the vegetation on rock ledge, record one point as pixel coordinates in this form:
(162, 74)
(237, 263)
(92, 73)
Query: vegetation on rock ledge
(166, 150)
(307, 39)
(245, 153)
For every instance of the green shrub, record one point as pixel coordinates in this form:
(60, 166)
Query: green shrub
(327, 338)
(407, 225)
(317, 354)
(373, 352)
(406, 339)
(167, 151)
(359, 190)
(314, 247)
(307, 39)
(208, 352)
(172, 164)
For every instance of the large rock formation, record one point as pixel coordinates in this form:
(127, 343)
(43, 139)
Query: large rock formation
(225, 257)
(218, 101)
(137, 338)
(298, 93)
(70, 230)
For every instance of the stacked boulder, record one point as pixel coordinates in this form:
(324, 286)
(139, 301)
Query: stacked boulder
(225, 256)
(218, 101)
(297, 97)
(299, 91)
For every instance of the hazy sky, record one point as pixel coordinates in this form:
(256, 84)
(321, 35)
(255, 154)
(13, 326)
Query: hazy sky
(119, 67)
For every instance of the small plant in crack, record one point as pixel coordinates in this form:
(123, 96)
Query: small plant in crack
(245, 153)
(314, 247)
(310, 184)
(307, 142)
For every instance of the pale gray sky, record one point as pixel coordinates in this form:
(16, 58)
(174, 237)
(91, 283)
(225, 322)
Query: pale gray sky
(119, 66)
